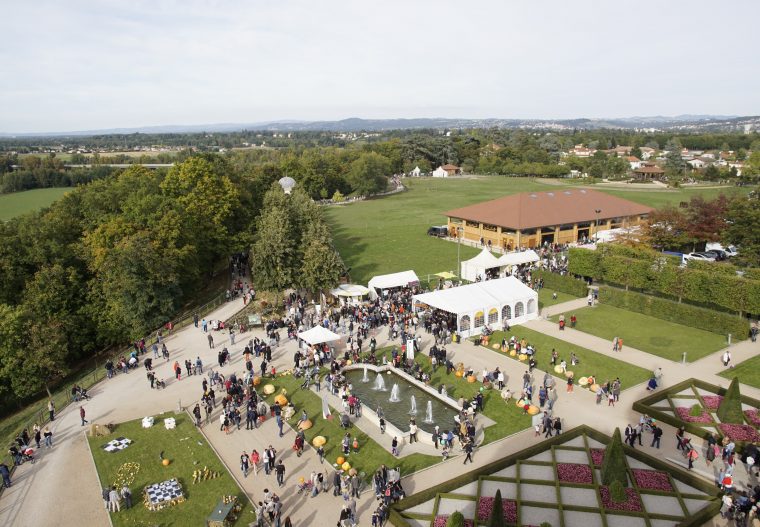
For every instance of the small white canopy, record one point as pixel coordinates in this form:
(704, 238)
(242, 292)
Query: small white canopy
(416, 172)
(350, 290)
(477, 266)
(518, 258)
(387, 281)
(440, 172)
(318, 335)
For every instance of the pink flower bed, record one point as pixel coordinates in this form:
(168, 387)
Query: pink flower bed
(683, 414)
(574, 473)
(485, 506)
(633, 503)
(712, 401)
(597, 456)
(752, 417)
(652, 479)
(440, 521)
(739, 432)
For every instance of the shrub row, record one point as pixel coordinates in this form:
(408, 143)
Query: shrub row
(692, 316)
(563, 283)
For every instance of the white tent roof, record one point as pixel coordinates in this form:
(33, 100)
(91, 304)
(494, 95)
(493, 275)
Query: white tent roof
(350, 290)
(318, 335)
(518, 258)
(478, 296)
(386, 281)
(484, 260)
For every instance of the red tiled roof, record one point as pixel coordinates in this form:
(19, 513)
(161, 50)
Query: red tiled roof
(450, 167)
(648, 169)
(538, 209)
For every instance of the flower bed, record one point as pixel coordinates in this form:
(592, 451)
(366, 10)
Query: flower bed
(597, 456)
(684, 414)
(485, 506)
(712, 401)
(440, 521)
(574, 473)
(739, 432)
(753, 417)
(652, 480)
(632, 504)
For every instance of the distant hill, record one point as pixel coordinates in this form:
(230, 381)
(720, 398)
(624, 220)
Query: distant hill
(686, 123)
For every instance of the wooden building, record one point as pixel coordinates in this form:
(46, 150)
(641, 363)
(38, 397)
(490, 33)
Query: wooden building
(533, 218)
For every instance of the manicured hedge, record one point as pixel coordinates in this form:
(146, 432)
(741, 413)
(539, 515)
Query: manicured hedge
(692, 316)
(563, 283)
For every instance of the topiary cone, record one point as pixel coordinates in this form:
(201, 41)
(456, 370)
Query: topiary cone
(730, 409)
(497, 513)
(613, 466)
(455, 520)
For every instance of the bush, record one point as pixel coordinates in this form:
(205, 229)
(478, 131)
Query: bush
(497, 513)
(585, 262)
(617, 492)
(455, 520)
(730, 409)
(695, 410)
(564, 283)
(613, 465)
(692, 316)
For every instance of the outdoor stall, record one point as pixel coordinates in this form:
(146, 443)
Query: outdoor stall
(483, 303)
(481, 267)
(318, 335)
(350, 293)
(379, 284)
(510, 260)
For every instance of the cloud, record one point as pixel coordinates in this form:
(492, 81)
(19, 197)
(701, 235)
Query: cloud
(102, 64)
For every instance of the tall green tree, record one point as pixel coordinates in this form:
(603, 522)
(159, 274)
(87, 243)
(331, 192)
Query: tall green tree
(369, 174)
(497, 513)
(275, 254)
(742, 220)
(322, 266)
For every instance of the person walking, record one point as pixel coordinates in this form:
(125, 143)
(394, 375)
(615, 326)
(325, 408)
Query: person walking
(113, 500)
(412, 432)
(6, 474)
(51, 409)
(557, 426)
(126, 493)
(656, 435)
(82, 413)
(197, 414)
(726, 358)
(244, 460)
(280, 470)
(106, 495)
(468, 450)
(210, 341)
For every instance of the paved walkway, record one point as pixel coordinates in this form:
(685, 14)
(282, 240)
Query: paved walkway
(127, 397)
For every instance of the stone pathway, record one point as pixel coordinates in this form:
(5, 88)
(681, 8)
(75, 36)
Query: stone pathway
(127, 397)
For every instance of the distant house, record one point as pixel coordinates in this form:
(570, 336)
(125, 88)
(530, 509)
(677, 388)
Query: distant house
(620, 151)
(646, 152)
(582, 151)
(440, 172)
(696, 163)
(452, 170)
(649, 172)
(634, 161)
(416, 172)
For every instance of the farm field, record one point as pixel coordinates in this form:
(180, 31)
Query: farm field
(18, 203)
(389, 234)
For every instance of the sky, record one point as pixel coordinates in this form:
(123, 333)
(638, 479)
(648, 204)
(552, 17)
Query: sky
(98, 64)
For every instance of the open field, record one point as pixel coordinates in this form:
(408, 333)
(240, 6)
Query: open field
(603, 368)
(652, 335)
(545, 297)
(388, 234)
(747, 371)
(187, 451)
(17, 203)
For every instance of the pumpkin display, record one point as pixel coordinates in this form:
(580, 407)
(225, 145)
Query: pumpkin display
(281, 400)
(594, 388)
(269, 389)
(496, 346)
(569, 374)
(513, 353)
(522, 357)
(583, 381)
(459, 373)
(319, 441)
(256, 380)
(471, 378)
(346, 466)
(520, 403)
(165, 462)
(558, 369)
(505, 394)
(349, 362)
(305, 425)
(533, 410)
(341, 460)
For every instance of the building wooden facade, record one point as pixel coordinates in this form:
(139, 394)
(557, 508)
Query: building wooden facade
(532, 219)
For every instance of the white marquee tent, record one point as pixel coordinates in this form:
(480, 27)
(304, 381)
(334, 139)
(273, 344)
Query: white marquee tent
(518, 258)
(491, 302)
(388, 281)
(318, 335)
(477, 266)
(350, 292)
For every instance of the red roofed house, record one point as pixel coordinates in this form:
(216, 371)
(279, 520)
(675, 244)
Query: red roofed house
(532, 219)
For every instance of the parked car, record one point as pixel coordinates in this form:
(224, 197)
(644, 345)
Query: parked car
(718, 254)
(440, 231)
(730, 250)
(701, 257)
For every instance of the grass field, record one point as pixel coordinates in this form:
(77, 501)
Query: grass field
(17, 203)
(603, 368)
(188, 451)
(545, 298)
(653, 335)
(747, 371)
(388, 234)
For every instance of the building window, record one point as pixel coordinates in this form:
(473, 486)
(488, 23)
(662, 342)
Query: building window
(493, 315)
(464, 323)
(531, 306)
(506, 313)
(487, 227)
(528, 232)
(472, 224)
(519, 309)
(455, 220)
(566, 227)
(480, 319)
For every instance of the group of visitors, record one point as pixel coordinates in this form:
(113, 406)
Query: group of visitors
(112, 498)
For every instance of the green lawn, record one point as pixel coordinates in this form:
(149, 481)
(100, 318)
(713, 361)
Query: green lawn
(388, 234)
(603, 368)
(370, 455)
(653, 335)
(509, 419)
(545, 297)
(188, 451)
(17, 203)
(747, 371)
